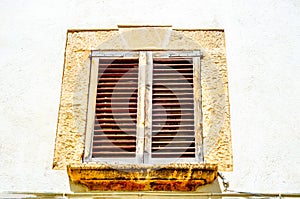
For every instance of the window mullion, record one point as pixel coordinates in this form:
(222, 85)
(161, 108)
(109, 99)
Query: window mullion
(140, 134)
(198, 110)
(148, 107)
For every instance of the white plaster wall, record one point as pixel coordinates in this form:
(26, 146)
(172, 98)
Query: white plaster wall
(263, 46)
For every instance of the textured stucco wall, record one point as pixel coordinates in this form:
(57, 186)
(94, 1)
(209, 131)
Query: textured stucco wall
(262, 47)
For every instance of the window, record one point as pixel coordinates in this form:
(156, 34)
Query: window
(148, 46)
(144, 107)
(149, 106)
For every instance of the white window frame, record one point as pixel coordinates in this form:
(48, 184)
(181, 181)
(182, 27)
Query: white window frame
(144, 106)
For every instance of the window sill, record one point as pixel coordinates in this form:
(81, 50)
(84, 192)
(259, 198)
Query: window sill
(171, 177)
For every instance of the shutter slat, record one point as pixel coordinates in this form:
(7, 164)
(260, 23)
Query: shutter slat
(116, 108)
(107, 136)
(173, 130)
(130, 84)
(177, 94)
(177, 82)
(114, 104)
(119, 142)
(172, 114)
(159, 137)
(115, 99)
(179, 60)
(115, 114)
(119, 94)
(173, 120)
(118, 75)
(172, 155)
(171, 126)
(173, 111)
(168, 75)
(174, 144)
(173, 134)
(172, 148)
(112, 112)
(116, 79)
(116, 65)
(113, 147)
(119, 121)
(166, 70)
(106, 131)
(122, 67)
(111, 125)
(170, 64)
(176, 89)
(112, 89)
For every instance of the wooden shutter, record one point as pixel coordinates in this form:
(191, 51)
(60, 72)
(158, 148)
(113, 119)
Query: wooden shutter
(173, 134)
(116, 109)
(147, 107)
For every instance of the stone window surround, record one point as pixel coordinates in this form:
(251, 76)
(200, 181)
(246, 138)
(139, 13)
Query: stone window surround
(69, 146)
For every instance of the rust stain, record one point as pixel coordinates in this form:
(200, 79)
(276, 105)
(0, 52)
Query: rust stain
(173, 177)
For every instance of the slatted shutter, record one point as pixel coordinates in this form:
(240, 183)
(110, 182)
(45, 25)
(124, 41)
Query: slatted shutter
(175, 127)
(114, 103)
(116, 108)
(147, 108)
(173, 134)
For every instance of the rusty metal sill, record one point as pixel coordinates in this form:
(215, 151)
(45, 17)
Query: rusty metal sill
(171, 177)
